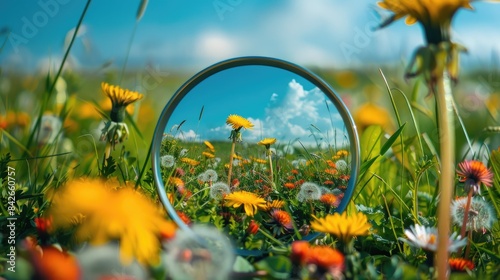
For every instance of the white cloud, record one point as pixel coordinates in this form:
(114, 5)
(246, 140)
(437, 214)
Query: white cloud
(292, 117)
(189, 135)
(215, 45)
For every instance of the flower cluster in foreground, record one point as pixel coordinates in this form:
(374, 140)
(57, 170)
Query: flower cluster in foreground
(104, 211)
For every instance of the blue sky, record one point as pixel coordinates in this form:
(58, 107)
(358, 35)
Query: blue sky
(195, 34)
(279, 103)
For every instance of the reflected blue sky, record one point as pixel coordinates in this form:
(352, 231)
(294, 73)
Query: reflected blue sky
(279, 103)
(194, 34)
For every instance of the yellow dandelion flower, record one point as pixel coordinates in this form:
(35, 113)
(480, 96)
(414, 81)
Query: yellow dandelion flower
(259, 160)
(14, 119)
(238, 157)
(372, 114)
(275, 204)
(120, 98)
(428, 12)
(122, 214)
(250, 201)
(106, 105)
(176, 181)
(342, 153)
(238, 122)
(343, 226)
(189, 161)
(209, 146)
(267, 142)
(208, 155)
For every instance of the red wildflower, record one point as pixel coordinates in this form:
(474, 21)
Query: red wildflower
(184, 217)
(473, 173)
(330, 199)
(253, 227)
(43, 224)
(282, 218)
(459, 264)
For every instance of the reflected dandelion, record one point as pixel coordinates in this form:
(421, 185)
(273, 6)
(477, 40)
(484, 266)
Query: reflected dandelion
(167, 161)
(309, 191)
(219, 190)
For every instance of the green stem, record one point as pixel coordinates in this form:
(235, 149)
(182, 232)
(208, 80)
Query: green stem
(36, 129)
(231, 156)
(447, 147)
(266, 234)
(128, 51)
(271, 175)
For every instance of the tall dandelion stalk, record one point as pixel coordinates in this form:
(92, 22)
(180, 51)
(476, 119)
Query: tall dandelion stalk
(140, 13)
(237, 123)
(115, 130)
(267, 142)
(438, 62)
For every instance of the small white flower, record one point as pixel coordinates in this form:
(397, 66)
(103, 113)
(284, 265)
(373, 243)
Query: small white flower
(426, 238)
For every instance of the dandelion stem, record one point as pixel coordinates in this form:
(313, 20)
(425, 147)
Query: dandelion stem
(466, 213)
(467, 249)
(231, 156)
(447, 146)
(271, 175)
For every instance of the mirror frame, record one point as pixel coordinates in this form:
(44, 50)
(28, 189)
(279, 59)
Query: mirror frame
(251, 61)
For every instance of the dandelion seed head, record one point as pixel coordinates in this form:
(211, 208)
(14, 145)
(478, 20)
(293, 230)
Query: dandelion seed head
(204, 254)
(341, 165)
(50, 129)
(481, 214)
(219, 190)
(202, 177)
(211, 175)
(167, 161)
(309, 191)
(183, 152)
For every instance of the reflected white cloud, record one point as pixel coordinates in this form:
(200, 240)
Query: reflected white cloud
(296, 114)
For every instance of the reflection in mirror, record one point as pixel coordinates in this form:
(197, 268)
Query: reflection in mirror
(257, 151)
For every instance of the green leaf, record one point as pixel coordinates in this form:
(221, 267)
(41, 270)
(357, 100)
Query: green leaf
(370, 142)
(391, 140)
(242, 265)
(277, 267)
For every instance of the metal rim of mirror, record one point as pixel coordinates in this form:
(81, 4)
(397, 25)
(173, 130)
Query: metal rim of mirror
(251, 61)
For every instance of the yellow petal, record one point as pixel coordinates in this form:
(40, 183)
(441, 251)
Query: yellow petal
(410, 20)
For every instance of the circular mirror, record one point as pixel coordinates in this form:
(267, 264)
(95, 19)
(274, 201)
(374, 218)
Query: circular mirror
(257, 147)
